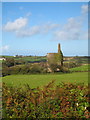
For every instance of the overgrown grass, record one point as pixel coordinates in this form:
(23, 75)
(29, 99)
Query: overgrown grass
(40, 80)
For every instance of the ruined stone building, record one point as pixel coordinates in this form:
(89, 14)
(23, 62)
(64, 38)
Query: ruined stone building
(55, 58)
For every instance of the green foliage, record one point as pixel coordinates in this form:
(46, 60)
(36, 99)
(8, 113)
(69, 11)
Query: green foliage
(54, 67)
(24, 69)
(71, 64)
(19, 62)
(9, 62)
(55, 58)
(58, 68)
(55, 61)
(62, 101)
(35, 68)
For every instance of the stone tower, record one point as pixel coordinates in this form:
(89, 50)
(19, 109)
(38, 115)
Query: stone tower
(59, 48)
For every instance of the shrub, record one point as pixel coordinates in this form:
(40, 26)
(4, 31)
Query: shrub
(9, 62)
(63, 101)
(36, 68)
(71, 64)
(58, 68)
(65, 70)
(24, 69)
(5, 71)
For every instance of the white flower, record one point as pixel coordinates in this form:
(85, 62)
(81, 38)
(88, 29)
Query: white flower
(77, 104)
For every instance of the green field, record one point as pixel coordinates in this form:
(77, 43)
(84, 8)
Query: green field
(81, 68)
(40, 80)
(32, 58)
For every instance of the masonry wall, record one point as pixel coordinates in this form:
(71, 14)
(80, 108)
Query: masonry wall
(55, 58)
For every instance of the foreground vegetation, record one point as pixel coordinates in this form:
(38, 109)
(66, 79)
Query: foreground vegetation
(63, 101)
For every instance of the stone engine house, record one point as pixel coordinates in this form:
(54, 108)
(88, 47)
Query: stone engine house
(55, 58)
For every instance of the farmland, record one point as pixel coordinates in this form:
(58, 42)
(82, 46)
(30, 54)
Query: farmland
(40, 80)
(22, 77)
(81, 68)
(83, 59)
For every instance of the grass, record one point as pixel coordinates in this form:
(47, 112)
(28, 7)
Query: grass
(32, 58)
(40, 80)
(81, 68)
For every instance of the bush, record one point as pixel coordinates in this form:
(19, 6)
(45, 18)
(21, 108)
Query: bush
(63, 101)
(36, 68)
(54, 67)
(65, 70)
(71, 65)
(58, 68)
(24, 69)
(9, 62)
(5, 71)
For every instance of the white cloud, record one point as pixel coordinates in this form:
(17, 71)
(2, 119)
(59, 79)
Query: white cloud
(73, 29)
(39, 29)
(84, 9)
(49, 27)
(70, 31)
(85, 35)
(28, 32)
(4, 48)
(16, 25)
(72, 24)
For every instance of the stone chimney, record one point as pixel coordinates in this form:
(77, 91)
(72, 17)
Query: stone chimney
(59, 48)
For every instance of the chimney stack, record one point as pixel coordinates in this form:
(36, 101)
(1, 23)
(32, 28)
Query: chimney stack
(59, 48)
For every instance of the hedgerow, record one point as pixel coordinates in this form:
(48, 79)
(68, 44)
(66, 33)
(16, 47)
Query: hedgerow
(62, 101)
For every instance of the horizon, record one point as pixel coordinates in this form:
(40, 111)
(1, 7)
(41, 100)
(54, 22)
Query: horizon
(37, 28)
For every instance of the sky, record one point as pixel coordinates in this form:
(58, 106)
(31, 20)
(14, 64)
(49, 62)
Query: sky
(36, 28)
(45, 0)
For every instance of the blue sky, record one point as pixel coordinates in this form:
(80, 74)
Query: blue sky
(37, 28)
(45, 0)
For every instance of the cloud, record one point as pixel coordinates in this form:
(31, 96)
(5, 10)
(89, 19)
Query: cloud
(70, 31)
(73, 29)
(49, 27)
(39, 29)
(28, 32)
(16, 25)
(72, 24)
(84, 9)
(4, 48)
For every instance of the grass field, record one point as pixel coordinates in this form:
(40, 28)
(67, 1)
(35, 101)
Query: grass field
(40, 80)
(81, 68)
(32, 58)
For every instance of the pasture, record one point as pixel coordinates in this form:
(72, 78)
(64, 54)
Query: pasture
(42, 79)
(81, 68)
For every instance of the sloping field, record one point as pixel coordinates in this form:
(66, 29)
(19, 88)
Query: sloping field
(40, 80)
(83, 68)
